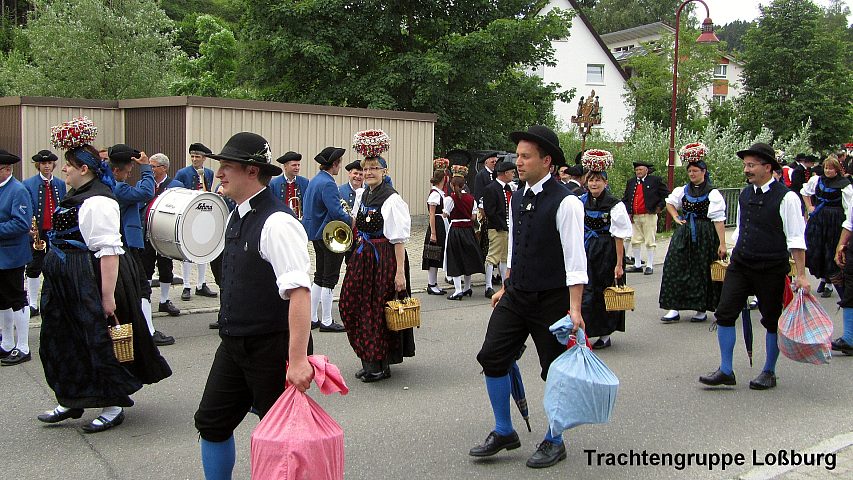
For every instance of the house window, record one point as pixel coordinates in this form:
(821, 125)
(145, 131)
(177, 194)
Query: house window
(719, 100)
(595, 74)
(626, 48)
(721, 71)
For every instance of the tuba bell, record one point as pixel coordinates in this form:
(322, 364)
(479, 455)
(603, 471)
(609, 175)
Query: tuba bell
(294, 204)
(337, 235)
(38, 243)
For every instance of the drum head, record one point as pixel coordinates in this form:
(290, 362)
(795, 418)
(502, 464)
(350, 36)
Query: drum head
(201, 228)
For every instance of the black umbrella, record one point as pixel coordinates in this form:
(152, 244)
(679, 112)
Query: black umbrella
(518, 389)
(746, 318)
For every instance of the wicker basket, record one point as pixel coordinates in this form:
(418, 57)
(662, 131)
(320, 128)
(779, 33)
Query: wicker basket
(403, 314)
(618, 298)
(793, 271)
(122, 336)
(718, 270)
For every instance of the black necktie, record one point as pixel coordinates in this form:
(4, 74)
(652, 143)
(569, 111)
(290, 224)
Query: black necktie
(759, 191)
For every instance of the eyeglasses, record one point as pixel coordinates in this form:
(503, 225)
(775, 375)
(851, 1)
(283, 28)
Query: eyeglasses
(158, 166)
(372, 169)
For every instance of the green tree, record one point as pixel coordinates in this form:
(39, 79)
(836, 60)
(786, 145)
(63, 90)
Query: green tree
(213, 73)
(795, 67)
(614, 15)
(732, 33)
(462, 60)
(94, 49)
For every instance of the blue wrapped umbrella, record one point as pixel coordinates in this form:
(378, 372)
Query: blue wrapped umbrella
(517, 389)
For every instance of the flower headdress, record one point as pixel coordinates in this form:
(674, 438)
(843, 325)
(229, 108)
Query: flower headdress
(371, 143)
(596, 160)
(74, 133)
(459, 170)
(440, 164)
(693, 152)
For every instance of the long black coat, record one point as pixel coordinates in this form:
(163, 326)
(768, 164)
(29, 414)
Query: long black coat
(655, 194)
(494, 206)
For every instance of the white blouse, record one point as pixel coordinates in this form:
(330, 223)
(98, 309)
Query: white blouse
(620, 222)
(436, 197)
(810, 188)
(397, 226)
(716, 210)
(100, 225)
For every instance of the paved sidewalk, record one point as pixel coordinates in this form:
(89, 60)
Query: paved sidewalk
(841, 446)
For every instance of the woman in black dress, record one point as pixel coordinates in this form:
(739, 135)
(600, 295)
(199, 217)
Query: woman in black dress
(463, 252)
(436, 234)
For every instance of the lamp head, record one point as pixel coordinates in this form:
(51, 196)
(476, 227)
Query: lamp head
(707, 35)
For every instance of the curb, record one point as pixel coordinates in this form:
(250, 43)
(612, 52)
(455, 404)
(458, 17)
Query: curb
(831, 445)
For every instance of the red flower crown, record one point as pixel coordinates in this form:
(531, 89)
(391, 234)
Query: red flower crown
(74, 133)
(596, 160)
(440, 164)
(459, 170)
(693, 152)
(371, 143)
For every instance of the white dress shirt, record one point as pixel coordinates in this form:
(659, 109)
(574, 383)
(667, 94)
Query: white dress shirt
(100, 224)
(716, 210)
(793, 223)
(810, 188)
(569, 220)
(284, 244)
(620, 222)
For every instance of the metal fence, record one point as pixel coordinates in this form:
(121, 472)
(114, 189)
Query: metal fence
(731, 196)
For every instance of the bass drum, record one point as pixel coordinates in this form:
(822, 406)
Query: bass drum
(188, 225)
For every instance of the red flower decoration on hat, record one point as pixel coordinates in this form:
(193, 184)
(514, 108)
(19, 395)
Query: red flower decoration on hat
(693, 152)
(459, 170)
(74, 133)
(596, 160)
(371, 143)
(440, 164)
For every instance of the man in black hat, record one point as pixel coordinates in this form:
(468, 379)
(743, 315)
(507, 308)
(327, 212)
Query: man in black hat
(323, 205)
(496, 199)
(16, 214)
(544, 282)
(576, 178)
(354, 183)
(644, 198)
(801, 171)
(46, 191)
(484, 176)
(769, 225)
(196, 177)
(265, 331)
(290, 185)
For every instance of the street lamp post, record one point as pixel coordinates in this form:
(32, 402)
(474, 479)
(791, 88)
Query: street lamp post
(707, 36)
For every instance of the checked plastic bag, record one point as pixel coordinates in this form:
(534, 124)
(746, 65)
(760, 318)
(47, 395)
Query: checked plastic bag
(580, 388)
(297, 439)
(805, 331)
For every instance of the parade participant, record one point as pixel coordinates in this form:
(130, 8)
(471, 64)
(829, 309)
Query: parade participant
(322, 205)
(265, 263)
(463, 253)
(644, 198)
(150, 258)
(378, 272)
(546, 279)
(496, 198)
(606, 226)
(844, 259)
(769, 225)
(438, 225)
(290, 185)
(130, 200)
(563, 173)
(356, 181)
(484, 176)
(16, 214)
(686, 282)
(577, 180)
(88, 285)
(801, 172)
(216, 263)
(46, 191)
(190, 177)
(828, 198)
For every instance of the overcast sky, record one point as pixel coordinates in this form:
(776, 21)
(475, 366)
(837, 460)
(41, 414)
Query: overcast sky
(725, 11)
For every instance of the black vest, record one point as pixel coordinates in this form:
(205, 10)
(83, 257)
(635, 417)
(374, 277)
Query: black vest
(250, 303)
(761, 237)
(537, 253)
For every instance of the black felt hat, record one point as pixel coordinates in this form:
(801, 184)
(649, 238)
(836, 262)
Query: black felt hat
(328, 155)
(504, 166)
(800, 157)
(545, 138)
(122, 153)
(7, 158)
(575, 170)
(488, 155)
(762, 151)
(200, 148)
(289, 157)
(249, 149)
(354, 165)
(643, 164)
(45, 156)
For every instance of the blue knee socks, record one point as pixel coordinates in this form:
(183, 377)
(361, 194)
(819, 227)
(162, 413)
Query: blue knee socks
(847, 336)
(726, 338)
(499, 394)
(771, 342)
(555, 439)
(217, 459)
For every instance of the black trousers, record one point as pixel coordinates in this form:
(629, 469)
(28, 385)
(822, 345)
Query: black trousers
(152, 259)
(12, 294)
(246, 372)
(33, 269)
(516, 316)
(768, 284)
(328, 265)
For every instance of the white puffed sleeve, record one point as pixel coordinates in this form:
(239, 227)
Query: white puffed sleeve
(717, 208)
(284, 244)
(100, 225)
(620, 222)
(397, 220)
(675, 197)
(434, 198)
(810, 187)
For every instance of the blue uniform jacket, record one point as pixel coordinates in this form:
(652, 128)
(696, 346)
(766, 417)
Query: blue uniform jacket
(322, 204)
(35, 185)
(277, 186)
(130, 200)
(16, 215)
(348, 194)
(189, 177)
(143, 207)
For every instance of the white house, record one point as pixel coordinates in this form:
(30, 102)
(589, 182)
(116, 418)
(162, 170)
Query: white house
(585, 63)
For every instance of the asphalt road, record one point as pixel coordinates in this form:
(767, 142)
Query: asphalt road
(422, 421)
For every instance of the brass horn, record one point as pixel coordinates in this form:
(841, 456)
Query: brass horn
(295, 205)
(38, 243)
(337, 235)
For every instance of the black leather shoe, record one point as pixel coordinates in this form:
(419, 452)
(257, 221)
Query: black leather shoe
(186, 294)
(820, 287)
(161, 340)
(469, 292)
(53, 416)
(649, 271)
(434, 290)
(456, 296)
(629, 260)
(170, 308)
(34, 312)
(315, 325)
(361, 371)
(633, 269)
(718, 378)
(839, 345)
(698, 318)
(375, 371)
(105, 424)
(333, 327)
(15, 357)
(494, 443)
(205, 292)
(547, 454)
(5, 353)
(213, 325)
(490, 292)
(764, 381)
(675, 319)
(827, 292)
(599, 344)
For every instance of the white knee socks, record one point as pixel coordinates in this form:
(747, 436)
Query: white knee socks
(326, 304)
(202, 274)
(467, 282)
(502, 268)
(186, 269)
(33, 285)
(7, 318)
(432, 276)
(22, 330)
(638, 256)
(164, 291)
(146, 312)
(490, 269)
(651, 262)
(457, 285)
(316, 291)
